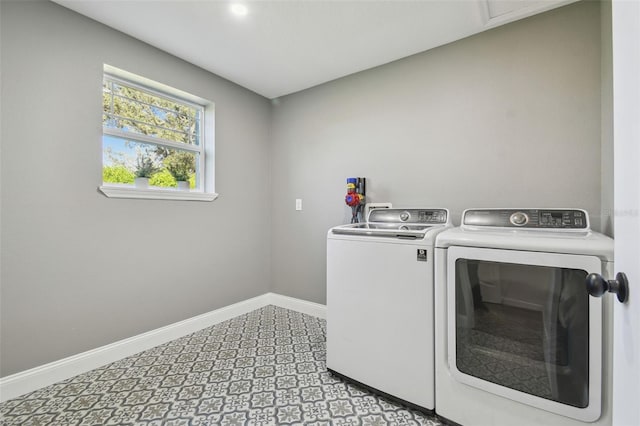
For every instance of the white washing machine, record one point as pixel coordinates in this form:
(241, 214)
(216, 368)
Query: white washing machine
(519, 341)
(380, 302)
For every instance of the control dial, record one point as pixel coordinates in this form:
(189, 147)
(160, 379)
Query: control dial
(519, 219)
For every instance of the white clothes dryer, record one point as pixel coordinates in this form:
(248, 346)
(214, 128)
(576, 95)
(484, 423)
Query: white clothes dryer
(519, 341)
(380, 302)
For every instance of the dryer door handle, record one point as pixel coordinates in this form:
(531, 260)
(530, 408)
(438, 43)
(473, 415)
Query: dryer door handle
(597, 286)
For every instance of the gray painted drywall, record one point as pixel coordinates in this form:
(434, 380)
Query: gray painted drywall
(80, 270)
(509, 117)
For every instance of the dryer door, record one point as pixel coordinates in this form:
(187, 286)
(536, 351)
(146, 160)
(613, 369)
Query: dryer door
(522, 325)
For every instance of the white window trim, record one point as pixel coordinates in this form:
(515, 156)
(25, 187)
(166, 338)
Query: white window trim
(208, 181)
(113, 191)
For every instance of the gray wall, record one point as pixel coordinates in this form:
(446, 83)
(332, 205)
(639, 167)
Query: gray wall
(509, 117)
(80, 270)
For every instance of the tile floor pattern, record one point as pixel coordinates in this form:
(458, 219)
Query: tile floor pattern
(266, 367)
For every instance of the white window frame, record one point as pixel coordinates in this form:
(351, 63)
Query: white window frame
(205, 149)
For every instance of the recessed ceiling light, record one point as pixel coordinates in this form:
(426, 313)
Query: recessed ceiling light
(239, 9)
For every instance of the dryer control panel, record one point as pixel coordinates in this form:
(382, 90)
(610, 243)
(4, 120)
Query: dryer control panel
(570, 219)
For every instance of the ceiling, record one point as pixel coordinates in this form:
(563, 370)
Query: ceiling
(284, 46)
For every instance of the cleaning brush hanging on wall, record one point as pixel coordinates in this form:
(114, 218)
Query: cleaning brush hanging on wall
(355, 197)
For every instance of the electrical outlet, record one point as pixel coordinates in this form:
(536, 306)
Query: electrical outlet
(298, 203)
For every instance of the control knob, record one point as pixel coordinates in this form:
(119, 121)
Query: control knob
(519, 219)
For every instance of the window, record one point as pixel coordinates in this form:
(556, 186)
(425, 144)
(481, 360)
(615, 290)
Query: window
(153, 142)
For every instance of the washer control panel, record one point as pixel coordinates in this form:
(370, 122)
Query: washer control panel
(528, 218)
(423, 216)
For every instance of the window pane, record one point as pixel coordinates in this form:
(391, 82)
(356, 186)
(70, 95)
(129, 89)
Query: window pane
(123, 160)
(137, 111)
(524, 327)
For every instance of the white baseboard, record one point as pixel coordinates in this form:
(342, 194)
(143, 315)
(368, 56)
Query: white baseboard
(48, 374)
(299, 305)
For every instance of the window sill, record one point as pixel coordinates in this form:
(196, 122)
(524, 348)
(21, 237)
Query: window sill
(155, 194)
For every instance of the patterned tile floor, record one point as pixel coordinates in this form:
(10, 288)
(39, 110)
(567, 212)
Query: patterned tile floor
(266, 367)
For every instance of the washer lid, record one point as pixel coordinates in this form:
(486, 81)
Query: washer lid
(393, 230)
(398, 223)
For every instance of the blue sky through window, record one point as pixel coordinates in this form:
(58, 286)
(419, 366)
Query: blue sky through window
(116, 148)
